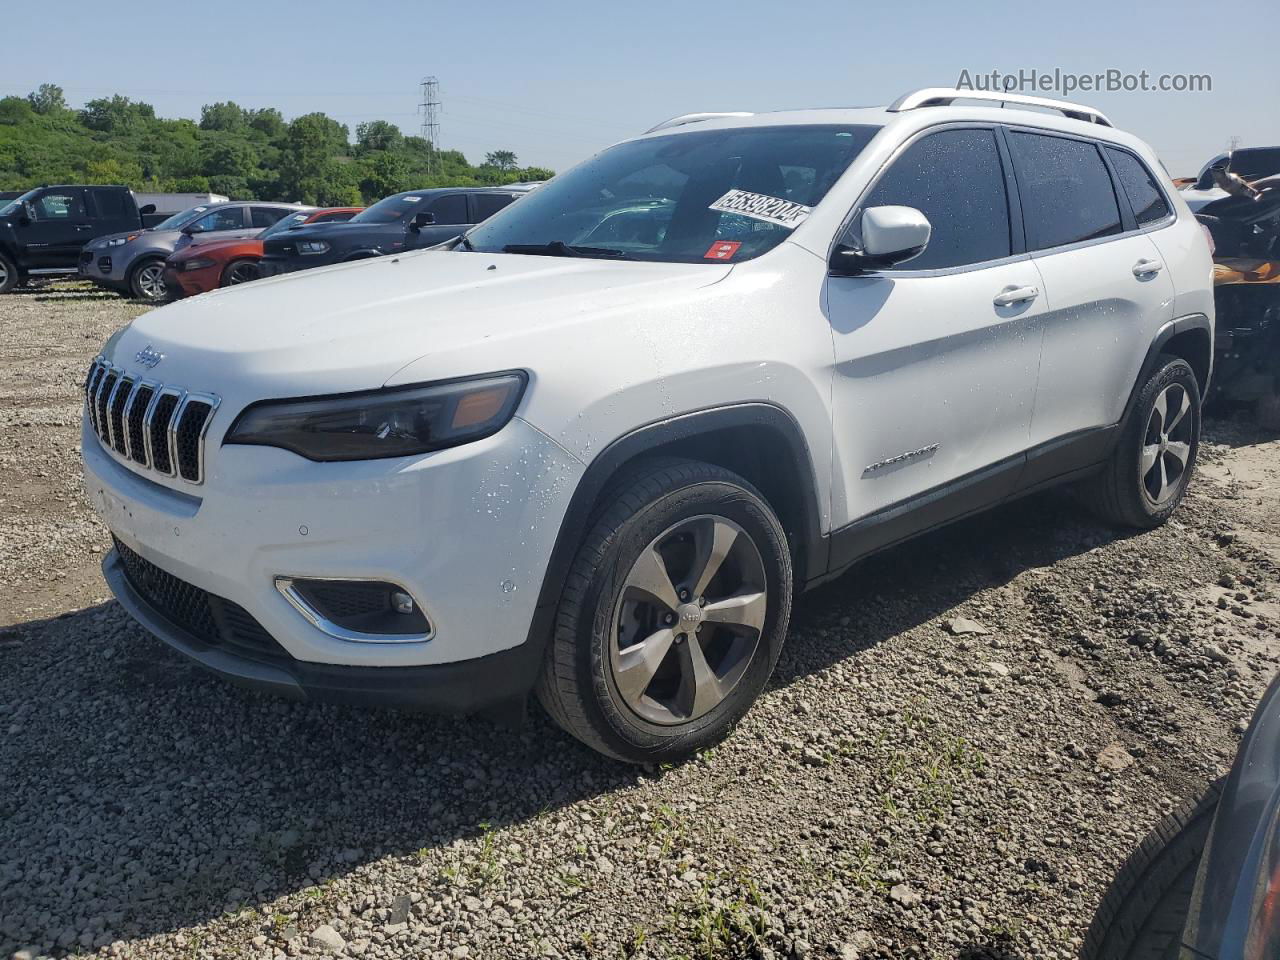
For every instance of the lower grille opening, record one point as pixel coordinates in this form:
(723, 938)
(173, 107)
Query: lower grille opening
(364, 606)
(207, 617)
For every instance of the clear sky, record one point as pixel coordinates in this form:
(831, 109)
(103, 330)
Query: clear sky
(557, 80)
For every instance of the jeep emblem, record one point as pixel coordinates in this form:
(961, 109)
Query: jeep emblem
(148, 357)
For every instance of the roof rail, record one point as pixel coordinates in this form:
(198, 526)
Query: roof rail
(945, 96)
(681, 120)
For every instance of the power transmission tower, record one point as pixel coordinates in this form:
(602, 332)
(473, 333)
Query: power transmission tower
(430, 107)
(1233, 143)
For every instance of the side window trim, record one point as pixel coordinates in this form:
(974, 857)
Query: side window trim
(1017, 249)
(1128, 221)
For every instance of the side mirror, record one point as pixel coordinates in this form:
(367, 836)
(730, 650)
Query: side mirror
(149, 209)
(890, 235)
(422, 219)
(192, 229)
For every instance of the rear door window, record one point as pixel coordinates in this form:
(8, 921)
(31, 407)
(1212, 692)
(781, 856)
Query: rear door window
(1146, 199)
(1066, 191)
(487, 204)
(451, 208)
(111, 204)
(265, 216)
(956, 180)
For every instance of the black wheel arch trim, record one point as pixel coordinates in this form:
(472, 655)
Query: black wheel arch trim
(810, 555)
(1169, 330)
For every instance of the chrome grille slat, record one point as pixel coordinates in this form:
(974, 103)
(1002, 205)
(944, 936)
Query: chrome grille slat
(150, 424)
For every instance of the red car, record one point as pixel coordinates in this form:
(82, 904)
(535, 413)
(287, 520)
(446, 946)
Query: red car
(220, 263)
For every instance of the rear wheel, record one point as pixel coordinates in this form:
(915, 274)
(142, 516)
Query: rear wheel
(240, 271)
(8, 274)
(146, 282)
(672, 616)
(1147, 475)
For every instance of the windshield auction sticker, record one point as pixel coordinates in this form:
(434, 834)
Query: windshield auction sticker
(759, 206)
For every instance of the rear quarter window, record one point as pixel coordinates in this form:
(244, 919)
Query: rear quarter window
(1066, 191)
(1148, 202)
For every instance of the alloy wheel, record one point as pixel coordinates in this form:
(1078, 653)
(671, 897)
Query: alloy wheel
(688, 620)
(242, 273)
(151, 281)
(1166, 445)
(4, 273)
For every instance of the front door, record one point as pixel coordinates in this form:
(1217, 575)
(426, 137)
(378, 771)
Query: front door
(58, 226)
(936, 358)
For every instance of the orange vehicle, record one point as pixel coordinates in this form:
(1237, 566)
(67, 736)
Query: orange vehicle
(201, 267)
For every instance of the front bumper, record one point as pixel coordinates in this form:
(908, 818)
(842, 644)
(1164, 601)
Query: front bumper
(450, 688)
(188, 283)
(466, 531)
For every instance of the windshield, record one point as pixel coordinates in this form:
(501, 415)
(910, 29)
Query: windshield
(388, 209)
(284, 223)
(686, 198)
(179, 220)
(16, 202)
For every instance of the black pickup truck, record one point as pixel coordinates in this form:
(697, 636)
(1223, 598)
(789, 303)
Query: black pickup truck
(403, 221)
(42, 231)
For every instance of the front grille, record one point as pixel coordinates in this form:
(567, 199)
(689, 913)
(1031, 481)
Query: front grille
(209, 618)
(156, 425)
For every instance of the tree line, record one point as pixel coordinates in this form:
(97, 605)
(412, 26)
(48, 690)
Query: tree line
(244, 153)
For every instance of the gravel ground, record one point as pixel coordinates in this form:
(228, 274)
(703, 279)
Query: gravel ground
(963, 739)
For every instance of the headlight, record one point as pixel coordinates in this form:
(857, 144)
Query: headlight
(313, 246)
(120, 241)
(197, 263)
(394, 422)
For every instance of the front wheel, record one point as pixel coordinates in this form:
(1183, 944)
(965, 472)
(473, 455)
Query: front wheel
(672, 616)
(1147, 475)
(8, 274)
(240, 271)
(147, 281)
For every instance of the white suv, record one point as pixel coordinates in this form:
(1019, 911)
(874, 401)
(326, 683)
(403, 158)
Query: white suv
(594, 447)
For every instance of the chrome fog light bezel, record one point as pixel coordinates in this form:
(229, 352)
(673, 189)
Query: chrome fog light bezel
(288, 588)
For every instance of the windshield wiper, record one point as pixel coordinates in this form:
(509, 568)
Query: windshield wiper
(558, 248)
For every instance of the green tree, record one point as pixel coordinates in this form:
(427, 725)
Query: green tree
(383, 173)
(504, 160)
(47, 98)
(379, 135)
(14, 110)
(307, 172)
(267, 120)
(222, 116)
(115, 114)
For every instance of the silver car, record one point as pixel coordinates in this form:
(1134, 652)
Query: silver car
(133, 263)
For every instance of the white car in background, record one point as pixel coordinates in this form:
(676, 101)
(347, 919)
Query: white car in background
(601, 470)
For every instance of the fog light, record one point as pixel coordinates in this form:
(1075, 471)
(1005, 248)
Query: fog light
(372, 611)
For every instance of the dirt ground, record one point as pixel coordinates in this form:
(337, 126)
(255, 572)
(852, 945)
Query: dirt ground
(964, 738)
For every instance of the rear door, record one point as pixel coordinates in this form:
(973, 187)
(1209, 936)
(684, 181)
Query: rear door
(485, 205)
(936, 358)
(58, 226)
(451, 220)
(112, 210)
(1106, 286)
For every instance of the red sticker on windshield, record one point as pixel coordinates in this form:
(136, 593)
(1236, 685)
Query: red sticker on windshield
(721, 250)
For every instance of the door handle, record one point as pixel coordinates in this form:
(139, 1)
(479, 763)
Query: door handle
(1147, 268)
(1011, 295)
(84, 226)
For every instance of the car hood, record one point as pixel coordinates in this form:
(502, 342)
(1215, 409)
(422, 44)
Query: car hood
(157, 237)
(200, 248)
(334, 232)
(354, 326)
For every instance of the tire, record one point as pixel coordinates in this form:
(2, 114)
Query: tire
(1143, 912)
(9, 277)
(246, 270)
(1146, 476)
(653, 533)
(146, 281)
